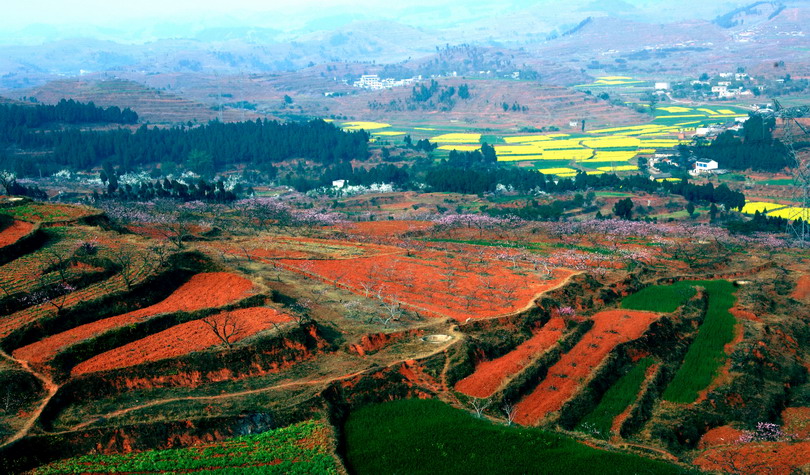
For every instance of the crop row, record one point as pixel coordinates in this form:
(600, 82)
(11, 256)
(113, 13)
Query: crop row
(301, 448)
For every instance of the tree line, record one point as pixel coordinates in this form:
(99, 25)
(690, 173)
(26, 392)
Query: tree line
(258, 143)
(13, 116)
(754, 149)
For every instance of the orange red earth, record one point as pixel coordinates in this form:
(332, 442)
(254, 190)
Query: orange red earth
(434, 285)
(207, 290)
(489, 375)
(13, 233)
(181, 339)
(779, 458)
(802, 291)
(610, 328)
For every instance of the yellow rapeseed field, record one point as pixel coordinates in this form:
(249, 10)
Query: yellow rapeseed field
(751, 207)
(457, 138)
(792, 213)
(364, 125)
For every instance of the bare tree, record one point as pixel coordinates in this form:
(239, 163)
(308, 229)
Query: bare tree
(479, 405)
(6, 180)
(393, 310)
(125, 257)
(225, 327)
(509, 410)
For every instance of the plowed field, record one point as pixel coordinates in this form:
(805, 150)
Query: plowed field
(13, 233)
(182, 339)
(489, 375)
(610, 328)
(202, 291)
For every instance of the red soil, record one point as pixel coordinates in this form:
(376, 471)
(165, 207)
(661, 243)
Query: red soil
(387, 228)
(611, 328)
(435, 286)
(723, 435)
(797, 422)
(202, 291)
(741, 314)
(802, 291)
(778, 458)
(182, 339)
(376, 341)
(489, 375)
(13, 233)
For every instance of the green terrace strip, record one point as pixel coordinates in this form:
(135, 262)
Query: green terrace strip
(416, 436)
(660, 298)
(297, 449)
(623, 393)
(707, 353)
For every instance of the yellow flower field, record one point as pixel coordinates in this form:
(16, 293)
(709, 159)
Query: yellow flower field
(557, 171)
(460, 148)
(752, 207)
(526, 138)
(611, 142)
(457, 138)
(574, 154)
(792, 213)
(618, 168)
(523, 158)
(364, 125)
(517, 149)
(390, 134)
(675, 109)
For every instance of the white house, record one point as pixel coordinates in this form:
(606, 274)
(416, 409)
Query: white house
(661, 86)
(704, 166)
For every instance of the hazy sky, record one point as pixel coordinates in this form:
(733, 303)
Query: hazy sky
(20, 13)
(136, 21)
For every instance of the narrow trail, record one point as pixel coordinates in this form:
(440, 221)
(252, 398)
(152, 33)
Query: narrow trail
(248, 392)
(49, 386)
(216, 397)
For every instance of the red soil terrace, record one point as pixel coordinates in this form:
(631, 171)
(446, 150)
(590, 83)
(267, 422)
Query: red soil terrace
(435, 287)
(13, 233)
(610, 328)
(202, 291)
(489, 375)
(182, 339)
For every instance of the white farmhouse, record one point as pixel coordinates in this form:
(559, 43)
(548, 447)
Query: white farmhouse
(704, 166)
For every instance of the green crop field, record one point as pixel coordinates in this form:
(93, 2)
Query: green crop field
(707, 353)
(660, 298)
(417, 436)
(623, 392)
(300, 448)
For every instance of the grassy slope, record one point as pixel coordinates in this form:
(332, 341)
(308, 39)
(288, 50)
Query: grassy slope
(623, 392)
(297, 449)
(707, 353)
(427, 436)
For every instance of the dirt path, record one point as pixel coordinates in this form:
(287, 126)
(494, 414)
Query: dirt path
(49, 386)
(248, 392)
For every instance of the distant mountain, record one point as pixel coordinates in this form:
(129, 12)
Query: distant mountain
(553, 29)
(749, 15)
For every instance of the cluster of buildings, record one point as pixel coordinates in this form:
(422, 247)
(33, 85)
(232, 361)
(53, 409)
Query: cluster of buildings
(375, 83)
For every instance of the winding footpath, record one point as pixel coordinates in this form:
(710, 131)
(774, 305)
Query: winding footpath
(49, 386)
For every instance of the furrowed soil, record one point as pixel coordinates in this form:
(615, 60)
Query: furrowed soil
(182, 339)
(611, 328)
(207, 290)
(489, 375)
(434, 286)
(13, 233)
